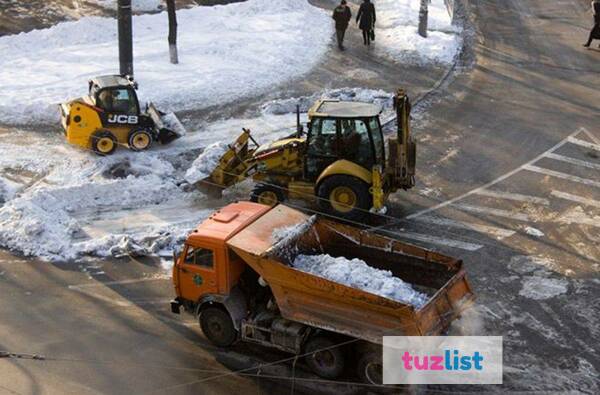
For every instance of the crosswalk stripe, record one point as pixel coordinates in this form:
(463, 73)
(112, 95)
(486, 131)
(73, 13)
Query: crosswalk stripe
(575, 198)
(513, 196)
(565, 176)
(499, 233)
(573, 161)
(492, 211)
(583, 143)
(463, 245)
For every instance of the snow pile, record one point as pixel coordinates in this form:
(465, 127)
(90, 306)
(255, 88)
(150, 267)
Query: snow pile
(225, 52)
(397, 35)
(357, 274)
(136, 5)
(533, 231)
(284, 235)
(206, 162)
(540, 288)
(8, 189)
(287, 106)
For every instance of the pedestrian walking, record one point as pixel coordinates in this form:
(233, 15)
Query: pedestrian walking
(342, 16)
(366, 16)
(595, 32)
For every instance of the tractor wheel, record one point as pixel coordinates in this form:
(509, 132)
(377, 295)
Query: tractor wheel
(324, 357)
(139, 140)
(370, 368)
(218, 327)
(345, 196)
(103, 142)
(267, 194)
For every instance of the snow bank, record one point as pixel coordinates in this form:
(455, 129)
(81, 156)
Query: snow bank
(287, 106)
(397, 35)
(136, 5)
(8, 189)
(225, 52)
(357, 274)
(206, 162)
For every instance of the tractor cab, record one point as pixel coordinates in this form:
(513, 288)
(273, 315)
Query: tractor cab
(343, 130)
(116, 96)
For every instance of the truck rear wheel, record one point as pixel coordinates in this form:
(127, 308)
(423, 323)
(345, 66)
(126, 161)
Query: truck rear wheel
(269, 195)
(324, 357)
(139, 140)
(218, 327)
(103, 142)
(345, 196)
(370, 368)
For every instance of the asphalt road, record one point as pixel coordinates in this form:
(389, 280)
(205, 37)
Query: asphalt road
(509, 160)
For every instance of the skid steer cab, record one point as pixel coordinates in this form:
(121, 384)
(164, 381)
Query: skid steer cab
(340, 163)
(110, 115)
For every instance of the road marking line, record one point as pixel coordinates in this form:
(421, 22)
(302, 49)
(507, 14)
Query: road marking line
(591, 136)
(439, 240)
(120, 282)
(583, 143)
(499, 233)
(580, 221)
(575, 198)
(513, 196)
(573, 161)
(558, 174)
(493, 182)
(492, 211)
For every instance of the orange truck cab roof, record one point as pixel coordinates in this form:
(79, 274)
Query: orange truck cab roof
(227, 222)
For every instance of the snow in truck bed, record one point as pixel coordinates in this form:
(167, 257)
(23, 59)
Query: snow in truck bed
(358, 274)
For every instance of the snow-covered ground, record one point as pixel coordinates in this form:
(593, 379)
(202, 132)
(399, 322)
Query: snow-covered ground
(357, 274)
(397, 35)
(136, 5)
(225, 52)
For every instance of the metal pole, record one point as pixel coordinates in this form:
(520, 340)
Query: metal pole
(423, 12)
(172, 31)
(125, 37)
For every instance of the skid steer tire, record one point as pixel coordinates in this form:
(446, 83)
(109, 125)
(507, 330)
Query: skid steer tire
(103, 142)
(324, 357)
(217, 326)
(267, 194)
(345, 196)
(139, 140)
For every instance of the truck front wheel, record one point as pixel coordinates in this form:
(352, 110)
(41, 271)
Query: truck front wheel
(324, 357)
(218, 327)
(370, 368)
(345, 196)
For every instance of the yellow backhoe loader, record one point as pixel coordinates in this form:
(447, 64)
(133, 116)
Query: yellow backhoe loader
(110, 115)
(340, 162)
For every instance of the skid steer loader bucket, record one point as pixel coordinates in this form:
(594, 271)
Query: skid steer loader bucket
(234, 166)
(168, 125)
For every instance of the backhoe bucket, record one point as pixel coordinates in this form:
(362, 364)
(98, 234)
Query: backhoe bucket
(234, 166)
(168, 125)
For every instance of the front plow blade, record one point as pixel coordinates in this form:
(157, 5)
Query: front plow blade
(168, 125)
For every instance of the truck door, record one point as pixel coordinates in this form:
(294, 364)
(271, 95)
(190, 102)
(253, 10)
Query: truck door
(197, 272)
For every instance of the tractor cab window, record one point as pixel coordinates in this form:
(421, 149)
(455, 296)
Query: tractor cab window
(356, 143)
(378, 141)
(322, 148)
(199, 256)
(118, 100)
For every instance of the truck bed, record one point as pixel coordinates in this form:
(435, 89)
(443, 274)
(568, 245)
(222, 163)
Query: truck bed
(316, 301)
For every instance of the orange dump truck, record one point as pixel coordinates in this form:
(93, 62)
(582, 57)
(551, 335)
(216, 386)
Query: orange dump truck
(235, 274)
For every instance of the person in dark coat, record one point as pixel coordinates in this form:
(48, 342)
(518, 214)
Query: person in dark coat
(366, 16)
(342, 16)
(595, 33)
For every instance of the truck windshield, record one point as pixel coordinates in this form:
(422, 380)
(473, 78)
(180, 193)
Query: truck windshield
(199, 256)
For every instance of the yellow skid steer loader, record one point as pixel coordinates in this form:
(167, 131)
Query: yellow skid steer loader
(340, 162)
(110, 115)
